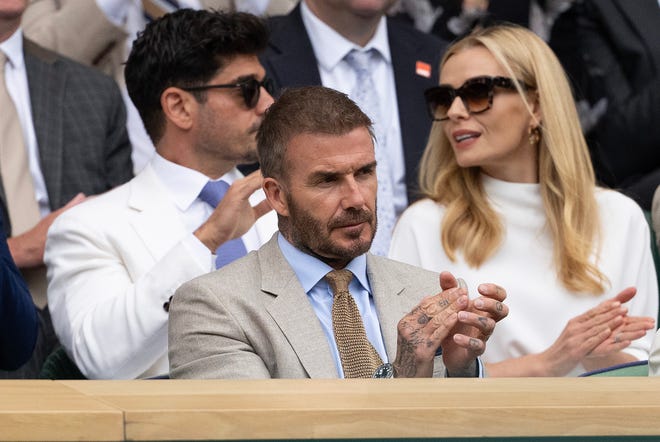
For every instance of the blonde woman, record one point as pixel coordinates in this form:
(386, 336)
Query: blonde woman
(511, 197)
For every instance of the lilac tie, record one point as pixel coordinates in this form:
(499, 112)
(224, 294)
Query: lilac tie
(365, 95)
(212, 194)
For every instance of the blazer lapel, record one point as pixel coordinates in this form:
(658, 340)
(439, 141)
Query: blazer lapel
(293, 313)
(46, 84)
(415, 125)
(390, 300)
(156, 222)
(290, 60)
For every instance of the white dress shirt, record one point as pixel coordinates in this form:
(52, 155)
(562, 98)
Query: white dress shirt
(330, 48)
(17, 87)
(183, 186)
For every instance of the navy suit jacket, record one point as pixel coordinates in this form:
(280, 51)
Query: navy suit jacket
(620, 43)
(18, 315)
(80, 124)
(290, 61)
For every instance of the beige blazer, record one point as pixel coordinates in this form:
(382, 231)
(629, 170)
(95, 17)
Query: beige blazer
(79, 30)
(252, 318)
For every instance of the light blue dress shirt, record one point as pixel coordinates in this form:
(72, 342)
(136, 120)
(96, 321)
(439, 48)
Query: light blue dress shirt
(311, 271)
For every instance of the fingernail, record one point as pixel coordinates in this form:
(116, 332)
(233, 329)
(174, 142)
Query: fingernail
(479, 303)
(463, 316)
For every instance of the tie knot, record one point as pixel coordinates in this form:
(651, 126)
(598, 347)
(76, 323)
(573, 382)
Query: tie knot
(339, 280)
(360, 60)
(213, 192)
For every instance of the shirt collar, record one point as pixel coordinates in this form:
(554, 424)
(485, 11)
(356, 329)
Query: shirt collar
(311, 270)
(184, 184)
(330, 47)
(13, 48)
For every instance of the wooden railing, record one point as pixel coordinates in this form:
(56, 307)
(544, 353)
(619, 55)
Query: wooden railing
(330, 409)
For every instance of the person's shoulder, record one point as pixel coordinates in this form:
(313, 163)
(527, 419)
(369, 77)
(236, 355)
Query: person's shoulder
(96, 210)
(422, 212)
(69, 66)
(405, 30)
(618, 209)
(238, 281)
(610, 198)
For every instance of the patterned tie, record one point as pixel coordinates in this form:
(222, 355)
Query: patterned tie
(14, 165)
(212, 194)
(364, 94)
(359, 358)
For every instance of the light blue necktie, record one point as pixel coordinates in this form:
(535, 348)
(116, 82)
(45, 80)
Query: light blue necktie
(365, 95)
(212, 194)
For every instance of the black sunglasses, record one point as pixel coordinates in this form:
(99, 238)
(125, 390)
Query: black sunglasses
(476, 94)
(250, 89)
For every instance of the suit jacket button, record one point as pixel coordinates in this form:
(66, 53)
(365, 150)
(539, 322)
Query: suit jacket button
(166, 306)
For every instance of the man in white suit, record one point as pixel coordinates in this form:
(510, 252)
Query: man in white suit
(115, 262)
(272, 313)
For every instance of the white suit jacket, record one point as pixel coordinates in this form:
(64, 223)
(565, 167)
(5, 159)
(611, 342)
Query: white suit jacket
(113, 262)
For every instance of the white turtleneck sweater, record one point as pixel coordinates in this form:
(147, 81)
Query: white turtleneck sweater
(539, 305)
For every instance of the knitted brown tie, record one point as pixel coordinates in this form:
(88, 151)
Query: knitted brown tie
(359, 358)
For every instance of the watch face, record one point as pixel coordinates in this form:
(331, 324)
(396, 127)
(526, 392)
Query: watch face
(384, 371)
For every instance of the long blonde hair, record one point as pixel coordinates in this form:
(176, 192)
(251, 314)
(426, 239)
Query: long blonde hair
(566, 176)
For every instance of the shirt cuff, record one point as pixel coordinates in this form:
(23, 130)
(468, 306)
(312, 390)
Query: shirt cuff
(200, 252)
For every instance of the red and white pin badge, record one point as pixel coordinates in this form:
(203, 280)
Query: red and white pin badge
(423, 69)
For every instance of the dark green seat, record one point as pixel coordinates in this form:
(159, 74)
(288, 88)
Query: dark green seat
(58, 365)
(637, 368)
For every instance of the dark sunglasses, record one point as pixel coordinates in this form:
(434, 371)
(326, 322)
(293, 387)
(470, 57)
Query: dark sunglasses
(476, 95)
(250, 89)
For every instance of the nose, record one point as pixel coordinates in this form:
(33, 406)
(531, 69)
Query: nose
(265, 100)
(353, 194)
(457, 109)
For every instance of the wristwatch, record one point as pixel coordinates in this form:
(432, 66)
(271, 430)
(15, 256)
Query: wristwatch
(384, 371)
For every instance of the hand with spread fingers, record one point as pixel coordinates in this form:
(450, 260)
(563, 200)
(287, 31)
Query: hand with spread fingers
(448, 319)
(595, 338)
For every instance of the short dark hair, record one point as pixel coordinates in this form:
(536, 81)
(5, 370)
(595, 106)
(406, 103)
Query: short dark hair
(309, 109)
(186, 48)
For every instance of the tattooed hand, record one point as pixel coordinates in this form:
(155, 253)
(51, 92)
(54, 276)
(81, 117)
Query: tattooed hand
(436, 320)
(475, 324)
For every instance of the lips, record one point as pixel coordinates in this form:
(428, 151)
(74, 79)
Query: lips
(351, 220)
(460, 136)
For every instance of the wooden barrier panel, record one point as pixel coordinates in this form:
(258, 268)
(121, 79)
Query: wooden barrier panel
(332, 409)
(48, 410)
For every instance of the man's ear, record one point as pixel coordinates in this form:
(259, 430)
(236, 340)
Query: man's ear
(179, 107)
(276, 195)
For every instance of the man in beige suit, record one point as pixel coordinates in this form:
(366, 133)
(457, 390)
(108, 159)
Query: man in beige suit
(114, 263)
(99, 33)
(272, 313)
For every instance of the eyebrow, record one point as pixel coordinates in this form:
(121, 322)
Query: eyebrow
(244, 78)
(322, 175)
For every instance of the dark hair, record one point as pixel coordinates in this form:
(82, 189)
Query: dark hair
(309, 109)
(186, 48)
